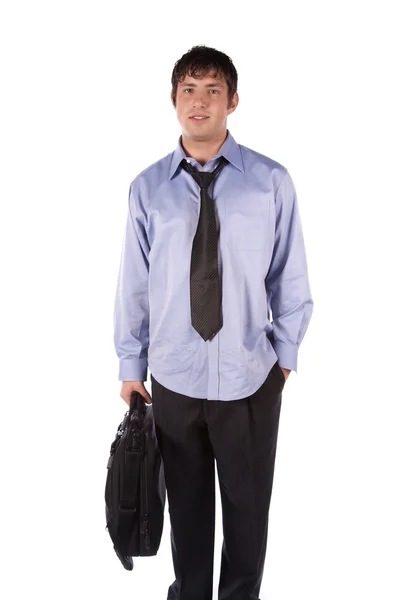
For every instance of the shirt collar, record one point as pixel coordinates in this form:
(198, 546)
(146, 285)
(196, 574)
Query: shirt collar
(229, 149)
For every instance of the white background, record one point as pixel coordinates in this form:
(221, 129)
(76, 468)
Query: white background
(84, 107)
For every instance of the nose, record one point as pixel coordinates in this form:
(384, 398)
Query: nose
(199, 99)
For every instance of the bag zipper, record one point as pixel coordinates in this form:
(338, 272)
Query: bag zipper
(146, 524)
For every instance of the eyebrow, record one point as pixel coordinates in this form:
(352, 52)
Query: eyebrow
(195, 85)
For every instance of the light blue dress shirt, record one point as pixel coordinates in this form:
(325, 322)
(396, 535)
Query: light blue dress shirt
(262, 259)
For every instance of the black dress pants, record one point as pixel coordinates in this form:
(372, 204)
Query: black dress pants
(240, 437)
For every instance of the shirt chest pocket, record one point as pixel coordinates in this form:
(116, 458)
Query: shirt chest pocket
(247, 230)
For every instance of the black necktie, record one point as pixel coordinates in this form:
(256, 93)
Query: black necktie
(205, 280)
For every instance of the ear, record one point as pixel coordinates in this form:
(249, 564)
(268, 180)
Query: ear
(172, 100)
(234, 103)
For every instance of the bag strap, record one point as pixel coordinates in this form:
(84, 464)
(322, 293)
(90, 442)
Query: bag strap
(128, 508)
(133, 457)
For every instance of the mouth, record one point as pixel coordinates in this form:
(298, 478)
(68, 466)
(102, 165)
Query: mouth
(198, 118)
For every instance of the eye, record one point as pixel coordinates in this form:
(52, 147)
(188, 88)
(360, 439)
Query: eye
(191, 90)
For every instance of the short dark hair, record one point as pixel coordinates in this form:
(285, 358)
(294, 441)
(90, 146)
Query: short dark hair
(198, 62)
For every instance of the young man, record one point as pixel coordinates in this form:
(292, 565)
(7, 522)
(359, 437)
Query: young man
(206, 259)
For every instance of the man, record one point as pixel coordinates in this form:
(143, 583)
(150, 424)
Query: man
(206, 259)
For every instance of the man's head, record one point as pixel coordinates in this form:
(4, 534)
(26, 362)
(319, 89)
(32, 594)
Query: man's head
(204, 82)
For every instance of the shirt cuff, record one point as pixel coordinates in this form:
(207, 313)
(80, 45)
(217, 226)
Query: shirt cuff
(287, 355)
(132, 369)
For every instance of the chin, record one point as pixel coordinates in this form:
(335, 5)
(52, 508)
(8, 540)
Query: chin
(197, 132)
(189, 133)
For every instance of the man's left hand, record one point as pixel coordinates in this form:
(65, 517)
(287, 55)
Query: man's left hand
(286, 372)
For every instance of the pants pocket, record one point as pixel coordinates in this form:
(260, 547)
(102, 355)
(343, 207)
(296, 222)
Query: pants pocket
(280, 374)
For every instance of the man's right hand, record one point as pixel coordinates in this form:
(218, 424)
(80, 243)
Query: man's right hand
(134, 386)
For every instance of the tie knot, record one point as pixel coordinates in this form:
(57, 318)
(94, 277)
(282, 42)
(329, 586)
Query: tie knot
(203, 178)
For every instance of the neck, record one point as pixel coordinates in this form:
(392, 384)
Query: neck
(203, 150)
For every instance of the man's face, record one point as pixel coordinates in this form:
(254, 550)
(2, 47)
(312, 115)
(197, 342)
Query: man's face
(207, 97)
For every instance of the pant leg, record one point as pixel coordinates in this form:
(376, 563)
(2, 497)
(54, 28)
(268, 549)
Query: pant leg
(189, 469)
(244, 435)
